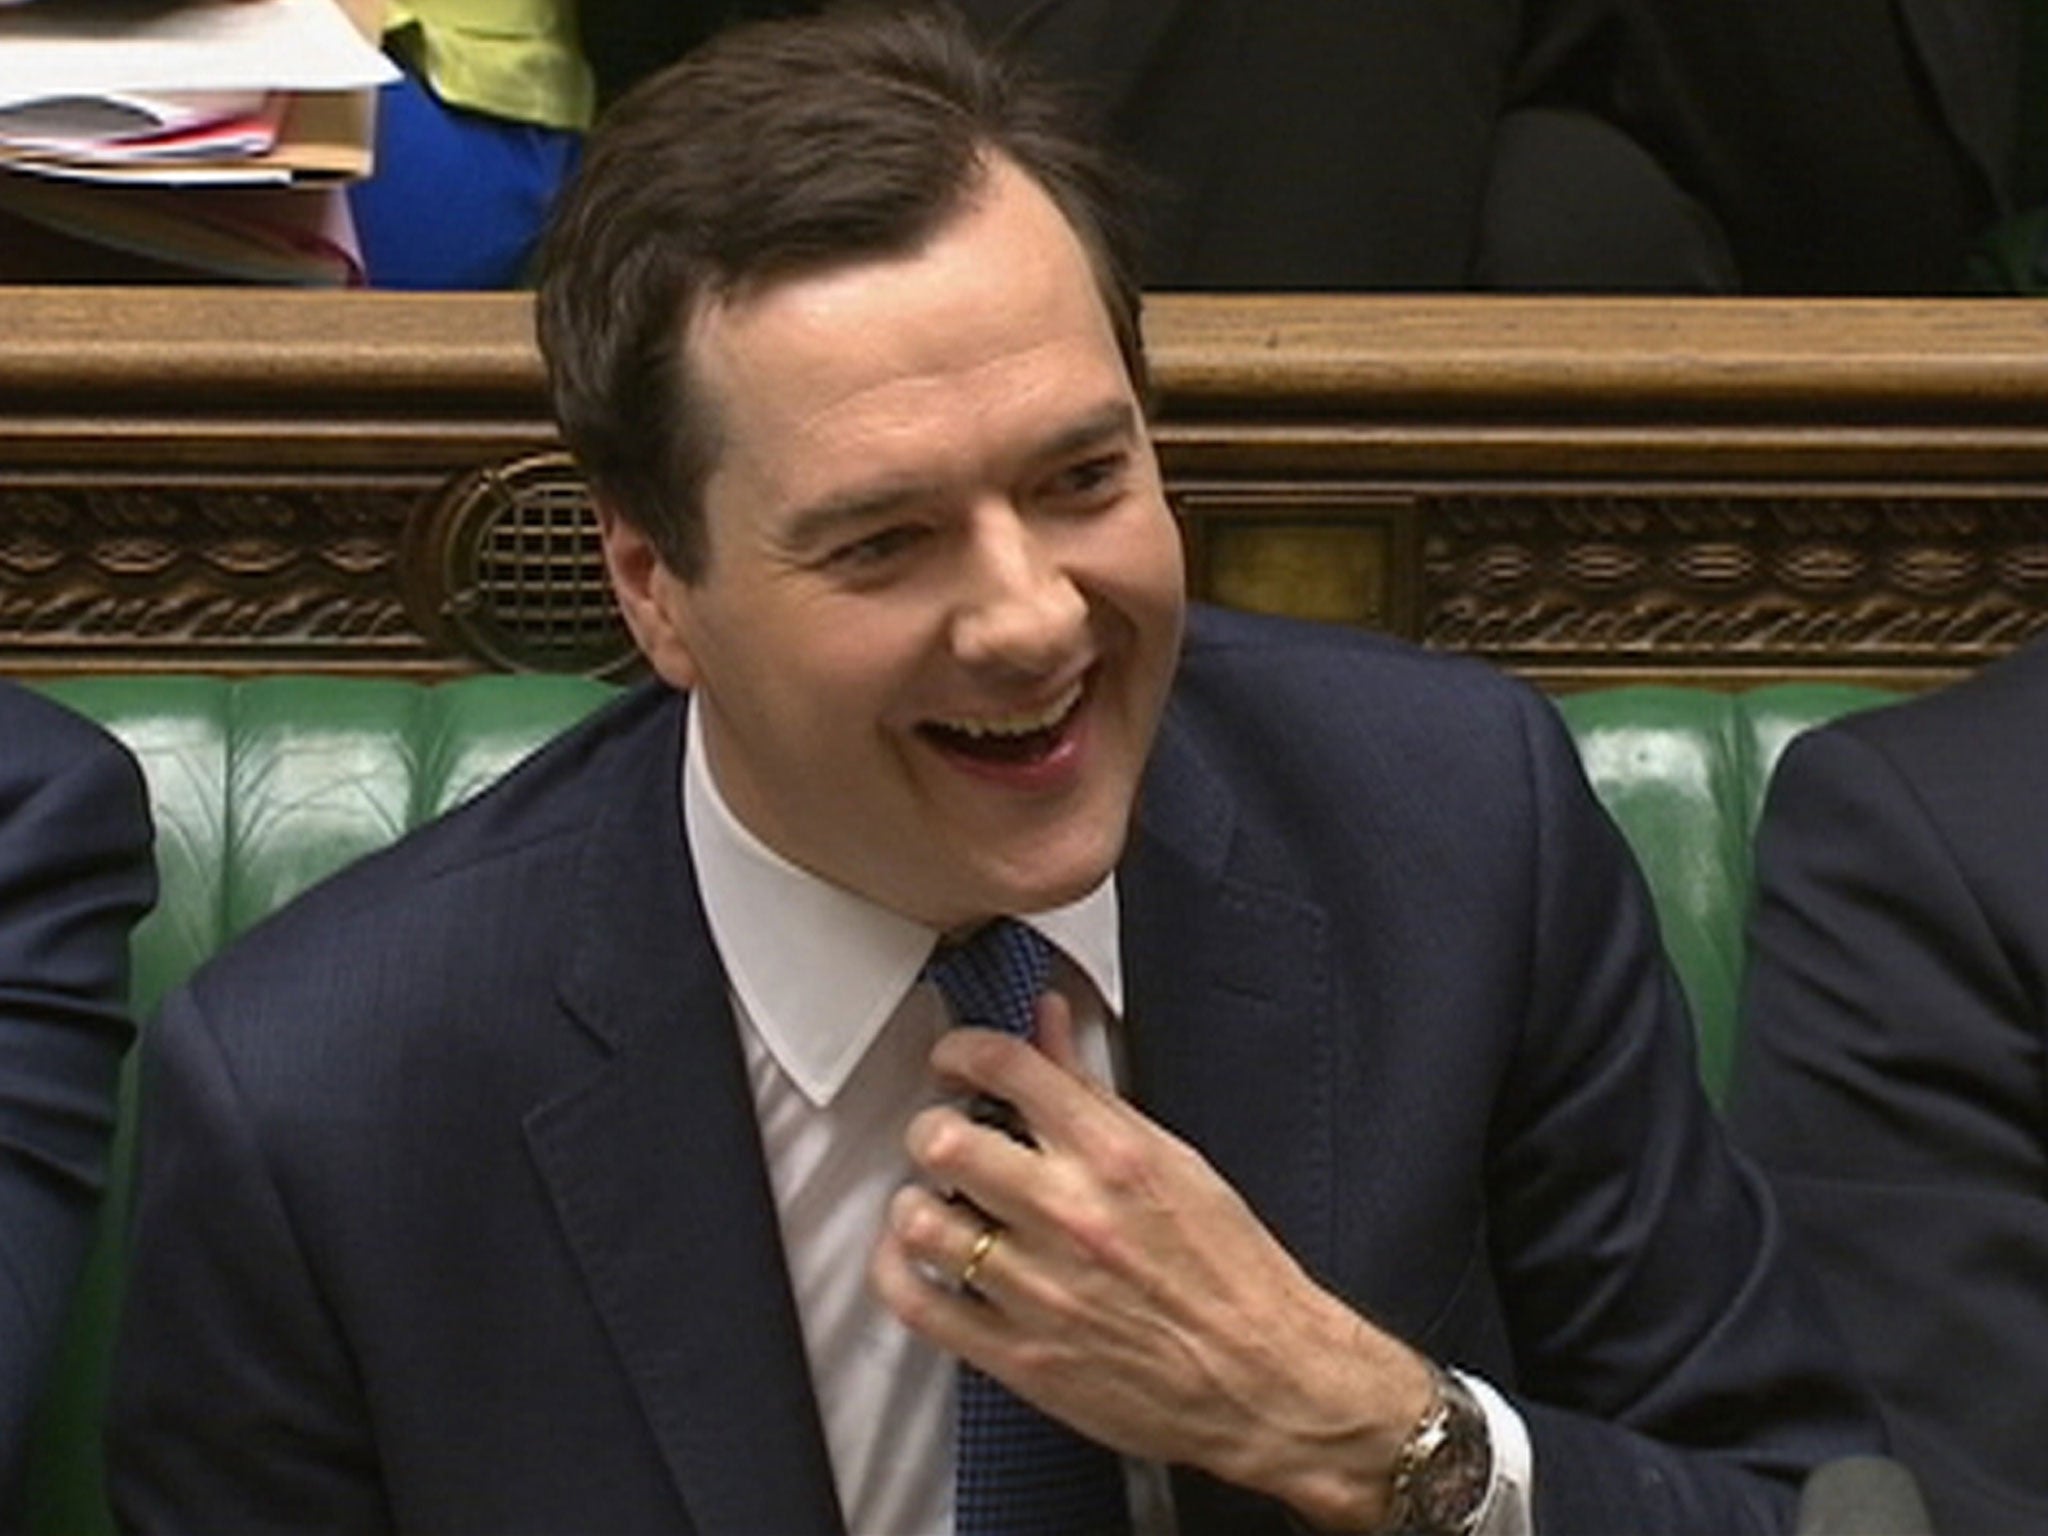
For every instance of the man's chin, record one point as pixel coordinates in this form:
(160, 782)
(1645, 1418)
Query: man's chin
(1039, 885)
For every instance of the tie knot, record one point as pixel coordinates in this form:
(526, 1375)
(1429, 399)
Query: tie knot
(993, 978)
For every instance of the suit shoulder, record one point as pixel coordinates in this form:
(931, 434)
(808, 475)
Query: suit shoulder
(46, 738)
(495, 860)
(1308, 726)
(1979, 739)
(1328, 676)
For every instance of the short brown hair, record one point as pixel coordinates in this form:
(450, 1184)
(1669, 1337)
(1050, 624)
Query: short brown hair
(780, 148)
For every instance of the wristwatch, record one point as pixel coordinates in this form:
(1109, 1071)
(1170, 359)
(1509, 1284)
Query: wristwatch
(1445, 1466)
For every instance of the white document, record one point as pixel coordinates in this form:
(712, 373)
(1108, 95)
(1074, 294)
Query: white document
(215, 45)
(107, 119)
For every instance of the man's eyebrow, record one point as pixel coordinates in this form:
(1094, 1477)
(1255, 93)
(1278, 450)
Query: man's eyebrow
(819, 522)
(1117, 419)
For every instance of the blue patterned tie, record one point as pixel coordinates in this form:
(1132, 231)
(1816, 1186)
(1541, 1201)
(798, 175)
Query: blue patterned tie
(1016, 1471)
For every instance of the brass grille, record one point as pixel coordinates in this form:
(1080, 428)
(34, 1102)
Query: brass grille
(507, 566)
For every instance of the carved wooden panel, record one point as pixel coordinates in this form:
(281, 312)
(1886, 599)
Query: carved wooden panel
(1584, 489)
(1799, 579)
(196, 572)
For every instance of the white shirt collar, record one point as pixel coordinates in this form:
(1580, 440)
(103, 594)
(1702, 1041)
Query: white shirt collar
(818, 969)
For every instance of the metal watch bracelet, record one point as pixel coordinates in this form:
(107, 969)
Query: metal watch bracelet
(1445, 1467)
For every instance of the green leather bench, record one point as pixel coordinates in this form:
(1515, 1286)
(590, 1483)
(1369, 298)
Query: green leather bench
(262, 787)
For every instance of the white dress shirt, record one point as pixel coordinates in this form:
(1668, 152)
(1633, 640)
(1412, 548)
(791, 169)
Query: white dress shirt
(837, 1029)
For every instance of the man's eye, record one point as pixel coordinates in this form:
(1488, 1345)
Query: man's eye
(1089, 478)
(875, 548)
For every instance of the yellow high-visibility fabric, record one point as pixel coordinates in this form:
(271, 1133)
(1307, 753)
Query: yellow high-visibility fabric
(516, 59)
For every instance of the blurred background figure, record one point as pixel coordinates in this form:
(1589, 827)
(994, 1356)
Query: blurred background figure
(473, 141)
(1759, 146)
(1848, 146)
(1784, 146)
(1764, 146)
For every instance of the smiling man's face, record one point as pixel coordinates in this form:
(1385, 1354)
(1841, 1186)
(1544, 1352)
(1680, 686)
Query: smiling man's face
(944, 593)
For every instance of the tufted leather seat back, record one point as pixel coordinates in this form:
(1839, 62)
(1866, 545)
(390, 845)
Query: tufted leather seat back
(1683, 771)
(258, 789)
(262, 787)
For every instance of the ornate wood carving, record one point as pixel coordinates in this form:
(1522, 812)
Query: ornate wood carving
(204, 572)
(1799, 580)
(1586, 489)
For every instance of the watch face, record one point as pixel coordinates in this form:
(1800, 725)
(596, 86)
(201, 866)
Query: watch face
(1448, 1485)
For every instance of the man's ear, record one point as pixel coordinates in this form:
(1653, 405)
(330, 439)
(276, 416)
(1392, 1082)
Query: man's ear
(653, 600)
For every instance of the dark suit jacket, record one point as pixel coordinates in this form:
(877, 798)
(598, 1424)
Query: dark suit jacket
(1878, 181)
(453, 1214)
(1294, 146)
(1391, 145)
(1894, 1076)
(75, 875)
(1516, 144)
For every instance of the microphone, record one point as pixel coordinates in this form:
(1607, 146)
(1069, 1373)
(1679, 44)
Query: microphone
(1862, 1496)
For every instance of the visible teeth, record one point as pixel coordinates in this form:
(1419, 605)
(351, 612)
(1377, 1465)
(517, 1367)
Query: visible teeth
(1019, 724)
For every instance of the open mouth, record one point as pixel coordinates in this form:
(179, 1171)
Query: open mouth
(1024, 736)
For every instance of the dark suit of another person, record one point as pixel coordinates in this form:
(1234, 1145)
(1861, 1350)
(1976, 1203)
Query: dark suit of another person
(1846, 146)
(1894, 1076)
(75, 876)
(1322, 144)
(1561, 144)
(453, 1212)
(1596, 145)
(1329, 144)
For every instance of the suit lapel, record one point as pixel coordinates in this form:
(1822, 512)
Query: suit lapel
(1229, 1003)
(1230, 1018)
(655, 1169)
(654, 1166)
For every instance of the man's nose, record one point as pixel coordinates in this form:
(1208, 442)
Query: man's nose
(1020, 609)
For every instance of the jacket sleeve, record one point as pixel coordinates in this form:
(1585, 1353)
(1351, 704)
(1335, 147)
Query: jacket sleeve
(1677, 1372)
(75, 877)
(235, 1404)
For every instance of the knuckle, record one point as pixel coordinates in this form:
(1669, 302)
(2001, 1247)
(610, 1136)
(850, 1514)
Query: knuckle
(920, 1226)
(1121, 1161)
(985, 1052)
(1092, 1229)
(1034, 1359)
(935, 1138)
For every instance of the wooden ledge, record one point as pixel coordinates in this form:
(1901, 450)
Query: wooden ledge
(1281, 355)
(1585, 489)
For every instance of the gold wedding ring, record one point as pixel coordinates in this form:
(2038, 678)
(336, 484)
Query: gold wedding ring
(984, 1245)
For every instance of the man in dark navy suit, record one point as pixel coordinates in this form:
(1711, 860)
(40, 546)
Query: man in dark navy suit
(1894, 1072)
(75, 877)
(1591, 145)
(1557, 144)
(602, 1158)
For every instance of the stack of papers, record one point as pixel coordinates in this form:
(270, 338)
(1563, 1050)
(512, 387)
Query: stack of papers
(208, 97)
(213, 92)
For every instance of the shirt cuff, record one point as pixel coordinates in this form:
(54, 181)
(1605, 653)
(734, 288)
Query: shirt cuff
(1510, 1508)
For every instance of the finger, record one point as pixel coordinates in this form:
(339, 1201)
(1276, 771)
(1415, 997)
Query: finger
(1057, 1036)
(1049, 1096)
(952, 1320)
(980, 1166)
(970, 1061)
(952, 1243)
